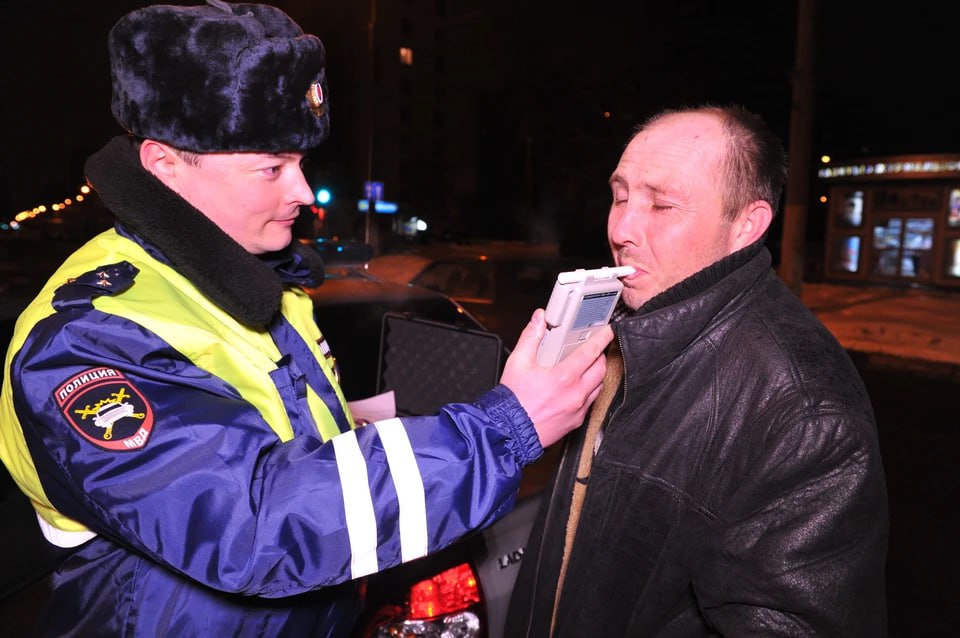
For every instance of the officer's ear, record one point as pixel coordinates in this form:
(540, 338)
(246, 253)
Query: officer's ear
(159, 159)
(750, 225)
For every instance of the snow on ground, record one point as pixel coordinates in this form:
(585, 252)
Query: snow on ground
(903, 322)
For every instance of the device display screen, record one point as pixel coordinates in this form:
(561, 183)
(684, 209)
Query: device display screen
(594, 309)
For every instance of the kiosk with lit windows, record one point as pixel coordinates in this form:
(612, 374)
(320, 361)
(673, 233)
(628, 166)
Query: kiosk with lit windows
(894, 219)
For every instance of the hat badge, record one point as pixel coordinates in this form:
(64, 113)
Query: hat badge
(315, 99)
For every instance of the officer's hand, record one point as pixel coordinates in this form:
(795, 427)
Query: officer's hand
(557, 398)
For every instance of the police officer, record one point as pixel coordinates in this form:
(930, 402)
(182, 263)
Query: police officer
(168, 405)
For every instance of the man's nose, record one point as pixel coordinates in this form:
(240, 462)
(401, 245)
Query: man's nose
(623, 227)
(302, 193)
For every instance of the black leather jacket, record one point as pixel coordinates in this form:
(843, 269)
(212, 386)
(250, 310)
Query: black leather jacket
(738, 488)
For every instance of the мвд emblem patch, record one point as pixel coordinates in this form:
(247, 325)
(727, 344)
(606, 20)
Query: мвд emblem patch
(105, 407)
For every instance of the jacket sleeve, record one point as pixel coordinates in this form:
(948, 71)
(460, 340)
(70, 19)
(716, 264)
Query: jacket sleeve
(215, 495)
(799, 549)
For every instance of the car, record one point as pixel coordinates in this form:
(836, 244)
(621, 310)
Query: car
(340, 251)
(499, 282)
(463, 589)
(349, 307)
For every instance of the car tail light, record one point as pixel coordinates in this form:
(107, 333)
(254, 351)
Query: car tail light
(453, 590)
(443, 606)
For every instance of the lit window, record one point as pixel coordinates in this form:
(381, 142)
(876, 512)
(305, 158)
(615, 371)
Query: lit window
(406, 56)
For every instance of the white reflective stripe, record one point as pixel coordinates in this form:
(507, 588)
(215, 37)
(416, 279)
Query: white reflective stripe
(357, 504)
(406, 477)
(63, 538)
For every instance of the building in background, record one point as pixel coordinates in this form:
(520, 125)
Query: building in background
(404, 85)
(894, 220)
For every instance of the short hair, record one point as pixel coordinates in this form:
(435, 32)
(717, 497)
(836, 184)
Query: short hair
(754, 165)
(190, 157)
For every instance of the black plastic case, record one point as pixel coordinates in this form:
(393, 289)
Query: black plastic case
(428, 364)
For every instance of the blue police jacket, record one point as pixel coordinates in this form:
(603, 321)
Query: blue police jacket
(197, 451)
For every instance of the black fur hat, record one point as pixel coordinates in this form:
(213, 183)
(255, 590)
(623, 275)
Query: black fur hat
(219, 77)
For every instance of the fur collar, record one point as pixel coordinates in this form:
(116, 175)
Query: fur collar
(247, 286)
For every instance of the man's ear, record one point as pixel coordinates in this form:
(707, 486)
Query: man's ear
(159, 159)
(751, 224)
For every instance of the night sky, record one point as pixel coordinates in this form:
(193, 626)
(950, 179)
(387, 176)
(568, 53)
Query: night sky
(885, 79)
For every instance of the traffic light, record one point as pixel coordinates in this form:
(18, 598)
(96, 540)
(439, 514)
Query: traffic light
(324, 196)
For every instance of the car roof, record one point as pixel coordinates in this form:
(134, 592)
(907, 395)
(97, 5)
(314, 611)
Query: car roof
(337, 290)
(401, 268)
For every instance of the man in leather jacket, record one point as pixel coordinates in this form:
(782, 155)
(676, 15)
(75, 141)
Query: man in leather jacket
(170, 406)
(729, 480)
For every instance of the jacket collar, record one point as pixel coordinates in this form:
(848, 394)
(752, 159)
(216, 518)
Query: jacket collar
(655, 334)
(247, 286)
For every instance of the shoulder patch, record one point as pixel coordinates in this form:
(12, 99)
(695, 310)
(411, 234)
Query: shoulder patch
(105, 407)
(104, 280)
